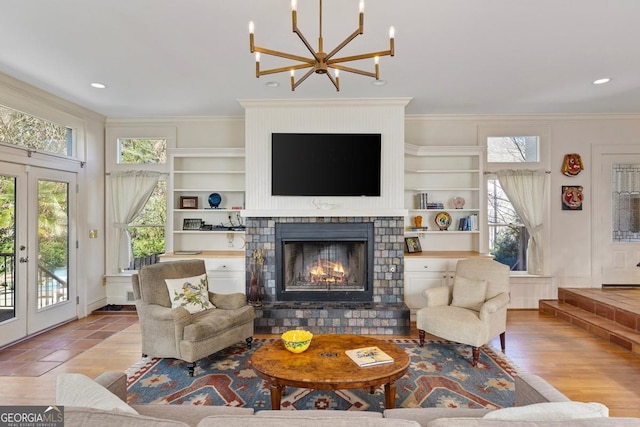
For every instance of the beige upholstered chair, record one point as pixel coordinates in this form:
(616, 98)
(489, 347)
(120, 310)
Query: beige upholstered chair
(175, 332)
(473, 310)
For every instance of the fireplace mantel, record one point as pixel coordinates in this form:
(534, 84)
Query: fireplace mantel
(324, 213)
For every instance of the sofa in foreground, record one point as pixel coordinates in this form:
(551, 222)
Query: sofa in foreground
(102, 402)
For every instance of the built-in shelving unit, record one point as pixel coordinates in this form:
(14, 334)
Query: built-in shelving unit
(444, 173)
(195, 174)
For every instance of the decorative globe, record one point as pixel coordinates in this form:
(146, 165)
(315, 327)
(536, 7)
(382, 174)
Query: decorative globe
(214, 200)
(297, 341)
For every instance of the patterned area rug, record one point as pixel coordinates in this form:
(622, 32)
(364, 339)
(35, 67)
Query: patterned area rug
(440, 375)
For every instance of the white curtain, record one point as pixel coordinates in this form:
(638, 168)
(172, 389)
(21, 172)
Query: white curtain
(526, 191)
(129, 193)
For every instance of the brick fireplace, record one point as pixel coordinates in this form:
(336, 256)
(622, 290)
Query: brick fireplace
(380, 310)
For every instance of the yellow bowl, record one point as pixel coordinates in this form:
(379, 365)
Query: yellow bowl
(297, 341)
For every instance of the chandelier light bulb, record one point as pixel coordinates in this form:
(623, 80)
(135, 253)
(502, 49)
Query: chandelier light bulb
(376, 60)
(251, 27)
(337, 73)
(361, 6)
(392, 33)
(294, 5)
(257, 56)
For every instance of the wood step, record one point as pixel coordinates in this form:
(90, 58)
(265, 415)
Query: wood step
(593, 323)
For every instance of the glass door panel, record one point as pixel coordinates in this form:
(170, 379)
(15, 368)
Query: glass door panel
(13, 294)
(53, 243)
(7, 247)
(52, 288)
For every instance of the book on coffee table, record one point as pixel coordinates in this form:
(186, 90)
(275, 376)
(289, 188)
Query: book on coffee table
(369, 356)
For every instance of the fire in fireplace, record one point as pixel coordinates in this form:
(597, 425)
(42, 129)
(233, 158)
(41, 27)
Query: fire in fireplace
(328, 266)
(324, 262)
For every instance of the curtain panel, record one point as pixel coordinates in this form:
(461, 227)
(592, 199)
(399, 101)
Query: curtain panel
(526, 190)
(130, 191)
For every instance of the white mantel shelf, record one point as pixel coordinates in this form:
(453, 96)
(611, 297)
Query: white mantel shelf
(279, 213)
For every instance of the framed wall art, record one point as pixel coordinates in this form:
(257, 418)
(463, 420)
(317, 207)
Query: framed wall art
(412, 244)
(188, 202)
(192, 224)
(572, 197)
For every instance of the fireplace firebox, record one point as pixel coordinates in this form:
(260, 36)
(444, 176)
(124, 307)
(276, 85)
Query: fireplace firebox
(324, 261)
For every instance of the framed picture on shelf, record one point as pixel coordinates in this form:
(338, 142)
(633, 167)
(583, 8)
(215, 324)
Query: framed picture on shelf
(191, 224)
(412, 244)
(188, 202)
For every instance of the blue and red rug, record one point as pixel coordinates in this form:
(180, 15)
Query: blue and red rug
(440, 375)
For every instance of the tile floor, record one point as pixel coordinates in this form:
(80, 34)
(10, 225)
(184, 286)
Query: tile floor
(43, 352)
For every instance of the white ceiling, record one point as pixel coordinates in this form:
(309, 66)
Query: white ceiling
(191, 57)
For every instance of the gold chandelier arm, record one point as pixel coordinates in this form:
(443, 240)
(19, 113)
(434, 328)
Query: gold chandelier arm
(296, 30)
(359, 57)
(295, 84)
(309, 61)
(334, 81)
(346, 41)
(354, 70)
(306, 43)
(281, 69)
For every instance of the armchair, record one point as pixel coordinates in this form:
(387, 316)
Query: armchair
(176, 332)
(473, 310)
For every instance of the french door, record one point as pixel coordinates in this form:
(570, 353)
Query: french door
(37, 249)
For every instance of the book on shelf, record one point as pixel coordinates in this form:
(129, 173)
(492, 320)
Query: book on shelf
(369, 356)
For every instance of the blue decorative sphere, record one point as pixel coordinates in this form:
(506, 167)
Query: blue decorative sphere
(214, 200)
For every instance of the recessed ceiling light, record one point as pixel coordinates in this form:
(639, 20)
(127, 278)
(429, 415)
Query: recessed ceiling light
(272, 84)
(602, 81)
(378, 82)
(98, 85)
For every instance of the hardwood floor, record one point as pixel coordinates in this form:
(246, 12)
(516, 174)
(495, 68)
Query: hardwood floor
(582, 366)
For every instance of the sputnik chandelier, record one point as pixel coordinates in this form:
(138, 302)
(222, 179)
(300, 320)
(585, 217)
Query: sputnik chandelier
(320, 62)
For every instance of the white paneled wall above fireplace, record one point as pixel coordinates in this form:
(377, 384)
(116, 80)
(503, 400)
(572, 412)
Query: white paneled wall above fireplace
(264, 117)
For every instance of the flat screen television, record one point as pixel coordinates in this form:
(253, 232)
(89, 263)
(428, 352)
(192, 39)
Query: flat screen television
(325, 164)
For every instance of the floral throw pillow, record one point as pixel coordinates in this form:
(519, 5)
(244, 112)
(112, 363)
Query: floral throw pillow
(189, 292)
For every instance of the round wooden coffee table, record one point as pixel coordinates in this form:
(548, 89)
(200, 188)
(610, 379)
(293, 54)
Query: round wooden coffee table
(325, 366)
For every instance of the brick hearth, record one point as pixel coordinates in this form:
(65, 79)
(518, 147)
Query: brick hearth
(333, 317)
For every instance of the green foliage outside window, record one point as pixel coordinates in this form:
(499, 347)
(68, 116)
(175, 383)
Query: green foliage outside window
(147, 230)
(28, 131)
(142, 151)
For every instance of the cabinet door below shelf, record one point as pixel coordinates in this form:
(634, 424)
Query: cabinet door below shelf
(226, 275)
(421, 274)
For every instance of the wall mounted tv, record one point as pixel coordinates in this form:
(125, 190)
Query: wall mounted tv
(325, 164)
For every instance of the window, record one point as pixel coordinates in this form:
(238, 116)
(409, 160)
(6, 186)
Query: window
(512, 149)
(148, 229)
(626, 203)
(25, 130)
(508, 237)
(142, 151)
(137, 150)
